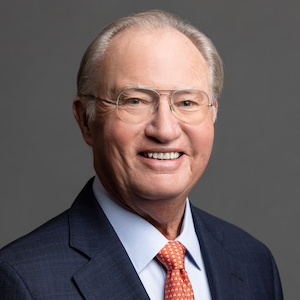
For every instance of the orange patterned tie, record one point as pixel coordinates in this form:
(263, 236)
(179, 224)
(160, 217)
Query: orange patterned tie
(178, 286)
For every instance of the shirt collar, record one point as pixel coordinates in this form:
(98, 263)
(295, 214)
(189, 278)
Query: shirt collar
(189, 239)
(141, 240)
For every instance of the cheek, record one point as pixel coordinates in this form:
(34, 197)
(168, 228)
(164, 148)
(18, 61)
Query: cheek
(115, 143)
(119, 139)
(109, 163)
(202, 143)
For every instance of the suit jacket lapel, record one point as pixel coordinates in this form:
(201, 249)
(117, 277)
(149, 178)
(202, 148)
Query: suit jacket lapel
(227, 276)
(109, 273)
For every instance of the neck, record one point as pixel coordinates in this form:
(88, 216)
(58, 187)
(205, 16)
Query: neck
(164, 215)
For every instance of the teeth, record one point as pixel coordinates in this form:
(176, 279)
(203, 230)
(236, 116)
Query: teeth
(161, 155)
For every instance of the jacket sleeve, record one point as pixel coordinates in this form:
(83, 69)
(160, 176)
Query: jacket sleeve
(278, 294)
(12, 286)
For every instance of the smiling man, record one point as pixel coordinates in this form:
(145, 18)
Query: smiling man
(146, 104)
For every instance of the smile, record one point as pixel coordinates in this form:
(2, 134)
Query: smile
(161, 155)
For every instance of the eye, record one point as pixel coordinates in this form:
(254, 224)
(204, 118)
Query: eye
(134, 102)
(136, 98)
(131, 101)
(187, 104)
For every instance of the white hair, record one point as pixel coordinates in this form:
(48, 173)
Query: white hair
(153, 20)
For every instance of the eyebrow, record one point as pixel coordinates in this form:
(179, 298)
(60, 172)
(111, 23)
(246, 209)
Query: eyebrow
(115, 91)
(138, 86)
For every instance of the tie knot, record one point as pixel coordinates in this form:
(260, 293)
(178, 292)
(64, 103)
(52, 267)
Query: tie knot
(172, 255)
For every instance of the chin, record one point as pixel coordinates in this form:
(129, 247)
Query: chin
(161, 191)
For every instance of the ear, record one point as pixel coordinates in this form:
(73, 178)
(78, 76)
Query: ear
(215, 110)
(79, 113)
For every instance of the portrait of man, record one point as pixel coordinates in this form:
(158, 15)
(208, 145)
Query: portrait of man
(146, 105)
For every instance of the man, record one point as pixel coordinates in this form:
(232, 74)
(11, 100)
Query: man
(146, 104)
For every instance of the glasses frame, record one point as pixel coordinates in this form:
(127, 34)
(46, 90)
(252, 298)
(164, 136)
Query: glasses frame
(170, 93)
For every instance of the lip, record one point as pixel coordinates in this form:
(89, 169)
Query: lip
(159, 155)
(160, 150)
(162, 165)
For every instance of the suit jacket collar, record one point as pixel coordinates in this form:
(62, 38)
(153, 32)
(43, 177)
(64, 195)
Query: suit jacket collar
(227, 276)
(109, 273)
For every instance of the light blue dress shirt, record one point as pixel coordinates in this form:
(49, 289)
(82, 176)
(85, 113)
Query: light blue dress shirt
(143, 241)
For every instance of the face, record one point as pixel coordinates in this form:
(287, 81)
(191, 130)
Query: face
(162, 61)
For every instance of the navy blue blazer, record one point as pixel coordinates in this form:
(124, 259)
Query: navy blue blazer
(77, 255)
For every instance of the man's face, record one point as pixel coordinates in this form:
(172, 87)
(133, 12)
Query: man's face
(161, 61)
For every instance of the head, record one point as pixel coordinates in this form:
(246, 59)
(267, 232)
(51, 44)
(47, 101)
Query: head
(91, 67)
(153, 50)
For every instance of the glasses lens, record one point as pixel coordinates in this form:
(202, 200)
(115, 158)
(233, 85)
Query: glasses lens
(190, 106)
(135, 105)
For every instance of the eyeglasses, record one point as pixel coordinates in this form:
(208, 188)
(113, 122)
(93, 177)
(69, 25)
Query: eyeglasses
(136, 105)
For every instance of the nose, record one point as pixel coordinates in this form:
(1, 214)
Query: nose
(163, 127)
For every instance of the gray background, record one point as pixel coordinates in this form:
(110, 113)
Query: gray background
(253, 177)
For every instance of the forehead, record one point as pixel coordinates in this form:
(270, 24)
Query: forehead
(161, 59)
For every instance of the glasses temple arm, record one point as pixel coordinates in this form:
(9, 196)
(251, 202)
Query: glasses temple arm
(96, 98)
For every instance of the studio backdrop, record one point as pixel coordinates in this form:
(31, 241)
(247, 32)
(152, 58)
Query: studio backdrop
(252, 179)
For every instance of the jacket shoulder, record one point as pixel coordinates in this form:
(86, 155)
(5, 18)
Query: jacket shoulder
(51, 236)
(49, 239)
(232, 238)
